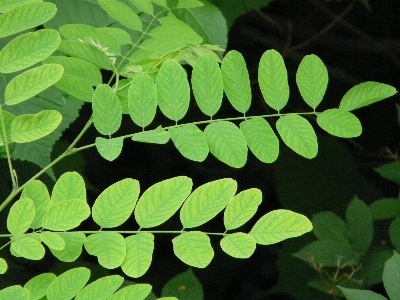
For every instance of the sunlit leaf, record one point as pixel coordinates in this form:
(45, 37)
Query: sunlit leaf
(38, 193)
(144, 5)
(8, 118)
(8, 4)
(70, 186)
(238, 245)
(37, 286)
(3, 266)
(21, 216)
(28, 248)
(156, 136)
(109, 149)
(52, 240)
(339, 122)
(16, 292)
(101, 289)
(73, 246)
(121, 13)
(68, 284)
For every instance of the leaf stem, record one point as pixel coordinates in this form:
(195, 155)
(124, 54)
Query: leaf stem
(4, 133)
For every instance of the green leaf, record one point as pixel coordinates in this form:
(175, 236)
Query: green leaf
(298, 134)
(162, 3)
(28, 49)
(359, 226)
(21, 216)
(15, 292)
(161, 201)
(30, 127)
(391, 275)
(339, 123)
(328, 253)
(8, 118)
(142, 99)
(38, 193)
(190, 142)
(385, 208)
(207, 201)
(193, 248)
(8, 4)
(139, 252)
(107, 113)
(312, 80)
(327, 225)
(109, 247)
(273, 81)
(238, 245)
(173, 91)
(227, 143)
(66, 215)
(207, 84)
(261, 139)
(121, 13)
(140, 291)
(116, 203)
(365, 94)
(52, 240)
(31, 83)
(279, 225)
(73, 246)
(25, 16)
(76, 87)
(156, 136)
(372, 266)
(109, 149)
(68, 284)
(236, 81)
(28, 248)
(70, 186)
(101, 289)
(394, 233)
(37, 286)
(3, 266)
(144, 5)
(390, 171)
(184, 286)
(242, 208)
(354, 294)
(189, 4)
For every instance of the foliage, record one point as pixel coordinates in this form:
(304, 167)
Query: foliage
(144, 45)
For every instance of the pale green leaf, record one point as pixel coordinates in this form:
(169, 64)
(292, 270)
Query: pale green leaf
(121, 36)
(142, 99)
(207, 201)
(340, 123)
(121, 13)
(101, 289)
(66, 215)
(394, 233)
(15, 292)
(273, 81)
(70, 186)
(227, 143)
(236, 81)
(242, 208)
(391, 275)
(298, 134)
(365, 94)
(86, 52)
(107, 113)
(162, 3)
(76, 87)
(312, 80)
(385, 208)
(31, 83)
(28, 49)
(161, 201)
(173, 91)
(30, 127)
(68, 284)
(109, 247)
(52, 240)
(190, 142)
(355, 294)
(28, 248)
(109, 149)
(21, 216)
(38, 193)
(144, 5)
(184, 286)
(140, 292)
(25, 16)
(37, 286)
(8, 4)
(261, 139)
(193, 248)
(116, 203)
(189, 4)
(238, 245)
(327, 225)
(139, 252)
(73, 246)
(3, 266)
(207, 84)
(156, 136)
(8, 118)
(279, 225)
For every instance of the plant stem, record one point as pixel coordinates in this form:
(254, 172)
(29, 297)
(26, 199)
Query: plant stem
(4, 133)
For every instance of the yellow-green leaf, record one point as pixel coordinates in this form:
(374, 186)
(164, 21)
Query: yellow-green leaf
(68, 284)
(238, 245)
(38, 285)
(21, 216)
(121, 13)
(29, 248)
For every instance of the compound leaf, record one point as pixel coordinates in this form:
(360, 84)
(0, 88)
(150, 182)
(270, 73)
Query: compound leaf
(207, 201)
(73, 246)
(160, 201)
(279, 225)
(116, 203)
(340, 123)
(238, 245)
(68, 284)
(121, 13)
(21, 216)
(139, 252)
(193, 248)
(109, 149)
(28, 248)
(70, 186)
(101, 289)
(37, 286)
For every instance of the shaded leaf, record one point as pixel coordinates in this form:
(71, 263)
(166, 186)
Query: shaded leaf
(8, 118)
(390, 171)
(391, 275)
(354, 294)
(394, 233)
(141, 291)
(385, 208)
(184, 286)
(327, 225)
(121, 13)
(144, 5)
